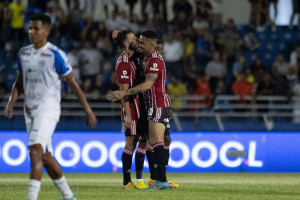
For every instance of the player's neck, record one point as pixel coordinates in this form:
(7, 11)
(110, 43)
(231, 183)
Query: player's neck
(148, 54)
(128, 52)
(39, 45)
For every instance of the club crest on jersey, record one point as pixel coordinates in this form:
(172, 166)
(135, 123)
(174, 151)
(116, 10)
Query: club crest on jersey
(154, 68)
(124, 75)
(47, 55)
(42, 63)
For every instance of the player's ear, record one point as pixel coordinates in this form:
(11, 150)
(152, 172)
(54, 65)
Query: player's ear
(47, 29)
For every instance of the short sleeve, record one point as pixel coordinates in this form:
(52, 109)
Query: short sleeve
(61, 64)
(123, 73)
(19, 67)
(155, 65)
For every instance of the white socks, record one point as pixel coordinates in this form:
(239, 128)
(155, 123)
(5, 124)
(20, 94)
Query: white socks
(138, 180)
(63, 187)
(33, 190)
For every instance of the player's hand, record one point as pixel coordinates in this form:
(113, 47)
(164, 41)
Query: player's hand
(8, 111)
(115, 95)
(91, 120)
(128, 122)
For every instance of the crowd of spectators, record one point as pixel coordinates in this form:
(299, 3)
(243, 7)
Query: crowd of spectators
(202, 56)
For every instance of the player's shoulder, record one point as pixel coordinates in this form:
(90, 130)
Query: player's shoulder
(155, 55)
(26, 49)
(56, 51)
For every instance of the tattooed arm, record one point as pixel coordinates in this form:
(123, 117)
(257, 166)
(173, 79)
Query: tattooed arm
(150, 79)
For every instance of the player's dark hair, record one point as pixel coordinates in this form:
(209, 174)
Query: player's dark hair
(45, 19)
(122, 36)
(150, 35)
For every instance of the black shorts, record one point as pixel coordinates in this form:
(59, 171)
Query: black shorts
(161, 115)
(142, 125)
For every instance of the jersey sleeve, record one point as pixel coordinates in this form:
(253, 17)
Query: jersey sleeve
(61, 63)
(123, 73)
(155, 66)
(19, 67)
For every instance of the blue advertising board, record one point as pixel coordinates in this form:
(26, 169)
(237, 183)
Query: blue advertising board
(190, 151)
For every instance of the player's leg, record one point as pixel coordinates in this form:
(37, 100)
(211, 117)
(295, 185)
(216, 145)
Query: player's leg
(127, 159)
(139, 163)
(151, 161)
(156, 131)
(36, 171)
(55, 173)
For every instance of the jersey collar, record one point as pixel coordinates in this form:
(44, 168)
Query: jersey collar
(40, 49)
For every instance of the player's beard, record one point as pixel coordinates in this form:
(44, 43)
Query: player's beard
(132, 46)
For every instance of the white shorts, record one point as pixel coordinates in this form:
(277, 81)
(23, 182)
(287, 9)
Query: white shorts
(40, 130)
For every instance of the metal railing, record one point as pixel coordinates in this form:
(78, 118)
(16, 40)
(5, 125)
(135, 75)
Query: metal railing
(192, 106)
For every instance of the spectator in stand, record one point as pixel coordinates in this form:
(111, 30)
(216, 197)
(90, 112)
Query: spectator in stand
(281, 65)
(89, 8)
(176, 89)
(74, 18)
(74, 62)
(156, 6)
(265, 87)
(17, 23)
(173, 53)
(216, 71)
(295, 57)
(134, 25)
(242, 88)
(188, 54)
(204, 10)
(250, 76)
(238, 67)
(131, 4)
(3, 86)
(281, 85)
(296, 111)
(250, 41)
(90, 59)
(181, 21)
(5, 22)
(260, 12)
(203, 50)
(183, 6)
(257, 69)
(105, 4)
(296, 10)
(122, 20)
(111, 23)
(200, 26)
(292, 77)
(110, 85)
(202, 88)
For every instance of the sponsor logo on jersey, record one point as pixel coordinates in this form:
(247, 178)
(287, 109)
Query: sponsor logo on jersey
(47, 55)
(25, 53)
(154, 68)
(124, 75)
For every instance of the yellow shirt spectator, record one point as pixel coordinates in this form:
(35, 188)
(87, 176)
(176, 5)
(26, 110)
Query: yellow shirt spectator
(176, 89)
(18, 12)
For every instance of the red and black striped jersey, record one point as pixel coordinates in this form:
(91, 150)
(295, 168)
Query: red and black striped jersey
(125, 74)
(157, 96)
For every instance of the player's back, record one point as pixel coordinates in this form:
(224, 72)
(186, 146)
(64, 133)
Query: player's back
(41, 70)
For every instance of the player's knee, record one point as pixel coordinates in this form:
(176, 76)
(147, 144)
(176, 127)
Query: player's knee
(36, 153)
(45, 157)
(167, 140)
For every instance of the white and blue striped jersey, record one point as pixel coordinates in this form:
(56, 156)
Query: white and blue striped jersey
(41, 70)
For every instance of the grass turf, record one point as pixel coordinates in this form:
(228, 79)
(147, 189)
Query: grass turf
(192, 186)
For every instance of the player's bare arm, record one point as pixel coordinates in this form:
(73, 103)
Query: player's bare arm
(16, 91)
(150, 79)
(90, 116)
(126, 105)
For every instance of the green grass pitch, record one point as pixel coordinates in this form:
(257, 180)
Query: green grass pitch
(221, 186)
